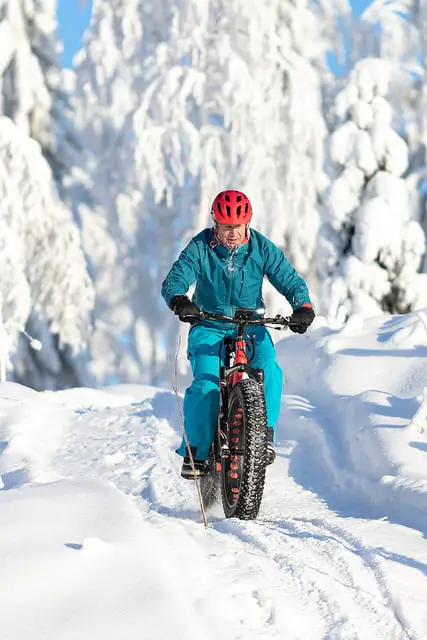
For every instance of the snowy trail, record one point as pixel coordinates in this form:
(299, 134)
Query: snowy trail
(100, 538)
(332, 581)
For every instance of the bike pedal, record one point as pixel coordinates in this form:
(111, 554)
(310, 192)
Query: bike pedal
(188, 473)
(271, 453)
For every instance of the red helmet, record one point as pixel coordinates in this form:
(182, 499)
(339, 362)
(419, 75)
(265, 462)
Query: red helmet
(231, 207)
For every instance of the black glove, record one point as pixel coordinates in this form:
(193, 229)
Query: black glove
(183, 307)
(301, 319)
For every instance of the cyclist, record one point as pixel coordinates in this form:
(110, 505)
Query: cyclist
(228, 263)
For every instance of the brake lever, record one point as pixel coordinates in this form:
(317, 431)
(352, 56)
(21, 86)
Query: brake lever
(283, 326)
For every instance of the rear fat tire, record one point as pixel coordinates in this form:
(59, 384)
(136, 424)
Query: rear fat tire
(209, 482)
(246, 395)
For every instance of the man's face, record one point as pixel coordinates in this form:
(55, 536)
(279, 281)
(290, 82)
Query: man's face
(231, 234)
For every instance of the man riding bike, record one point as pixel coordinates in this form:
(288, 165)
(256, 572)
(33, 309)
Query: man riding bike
(228, 263)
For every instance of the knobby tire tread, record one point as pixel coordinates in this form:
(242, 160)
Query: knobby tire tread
(249, 395)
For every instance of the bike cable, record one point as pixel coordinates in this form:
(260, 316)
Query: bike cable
(187, 443)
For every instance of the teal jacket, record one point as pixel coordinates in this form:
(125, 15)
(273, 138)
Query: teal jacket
(228, 279)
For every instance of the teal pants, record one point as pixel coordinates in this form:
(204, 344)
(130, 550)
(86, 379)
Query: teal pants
(201, 401)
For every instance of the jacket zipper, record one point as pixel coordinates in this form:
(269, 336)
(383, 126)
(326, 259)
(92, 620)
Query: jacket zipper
(232, 271)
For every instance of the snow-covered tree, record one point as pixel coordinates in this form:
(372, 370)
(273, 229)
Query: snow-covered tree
(233, 97)
(32, 96)
(108, 88)
(178, 101)
(42, 267)
(31, 87)
(384, 30)
(417, 178)
(369, 248)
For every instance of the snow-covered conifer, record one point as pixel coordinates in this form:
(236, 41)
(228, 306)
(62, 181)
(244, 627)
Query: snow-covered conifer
(31, 92)
(369, 248)
(108, 89)
(42, 267)
(417, 178)
(33, 97)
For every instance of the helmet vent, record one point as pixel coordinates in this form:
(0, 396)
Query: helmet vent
(228, 210)
(246, 208)
(239, 198)
(238, 210)
(218, 206)
(227, 197)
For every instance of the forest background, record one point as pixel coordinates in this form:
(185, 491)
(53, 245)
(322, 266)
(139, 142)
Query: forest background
(109, 161)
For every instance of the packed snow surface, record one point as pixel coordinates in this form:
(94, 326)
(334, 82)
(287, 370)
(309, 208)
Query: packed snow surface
(100, 539)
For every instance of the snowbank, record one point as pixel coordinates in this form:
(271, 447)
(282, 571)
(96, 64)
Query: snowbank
(101, 539)
(361, 428)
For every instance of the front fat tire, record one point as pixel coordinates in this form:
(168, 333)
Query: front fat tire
(248, 396)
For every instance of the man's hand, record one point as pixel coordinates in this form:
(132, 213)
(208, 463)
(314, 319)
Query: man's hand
(301, 319)
(183, 308)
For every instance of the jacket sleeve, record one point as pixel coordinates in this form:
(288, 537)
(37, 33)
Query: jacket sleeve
(184, 272)
(284, 277)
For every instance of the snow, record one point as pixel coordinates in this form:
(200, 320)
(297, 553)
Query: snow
(367, 240)
(101, 539)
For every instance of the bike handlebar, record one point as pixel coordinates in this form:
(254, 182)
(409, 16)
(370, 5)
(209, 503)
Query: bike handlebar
(277, 322)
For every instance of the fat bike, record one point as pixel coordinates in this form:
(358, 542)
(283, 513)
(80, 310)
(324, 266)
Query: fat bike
(238, 456)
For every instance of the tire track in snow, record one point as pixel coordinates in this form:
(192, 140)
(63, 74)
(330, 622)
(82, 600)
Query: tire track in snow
(133, 449)
(317, 556)
(320, 565)
(356, 545)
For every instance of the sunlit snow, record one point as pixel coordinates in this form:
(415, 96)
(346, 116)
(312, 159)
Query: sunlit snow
(101, 539)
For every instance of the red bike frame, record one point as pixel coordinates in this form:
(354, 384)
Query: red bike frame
(240, 358)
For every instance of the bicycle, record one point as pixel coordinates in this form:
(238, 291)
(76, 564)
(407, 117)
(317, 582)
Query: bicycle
(238, 454)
